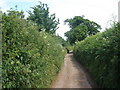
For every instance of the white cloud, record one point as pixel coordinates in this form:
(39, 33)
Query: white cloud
(2, 3)
(99, 11)
(21, 0)
(3, 6)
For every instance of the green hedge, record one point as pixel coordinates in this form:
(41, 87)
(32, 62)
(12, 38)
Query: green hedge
(30, 59)
(100, 54)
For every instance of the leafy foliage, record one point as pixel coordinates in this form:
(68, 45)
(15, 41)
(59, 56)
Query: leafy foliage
(77, 34)
(41, 16)
(80, 29)
(31, 58)
(0, 49)
(100, 55)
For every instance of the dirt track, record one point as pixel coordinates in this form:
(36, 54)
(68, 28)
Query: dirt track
(72, 75)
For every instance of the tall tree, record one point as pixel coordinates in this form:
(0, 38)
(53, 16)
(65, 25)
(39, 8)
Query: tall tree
(41, 16)
(76, 34)
(80, 28)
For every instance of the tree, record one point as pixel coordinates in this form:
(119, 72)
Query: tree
(77, 34)
(80, 29)
(40, 15)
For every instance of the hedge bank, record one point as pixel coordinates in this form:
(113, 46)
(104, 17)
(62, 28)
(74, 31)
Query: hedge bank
(30, 59)
(100, 54)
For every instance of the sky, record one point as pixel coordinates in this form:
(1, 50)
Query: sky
(99, 11)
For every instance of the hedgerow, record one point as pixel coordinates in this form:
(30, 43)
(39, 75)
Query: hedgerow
(30, 59)
(100, 54)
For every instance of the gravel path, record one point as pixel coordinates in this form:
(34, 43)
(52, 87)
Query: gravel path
(72, 75)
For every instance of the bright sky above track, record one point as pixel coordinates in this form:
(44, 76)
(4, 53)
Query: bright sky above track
(99, 11)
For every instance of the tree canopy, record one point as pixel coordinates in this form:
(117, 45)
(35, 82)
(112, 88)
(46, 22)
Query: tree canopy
(42, 17)
(80, 28)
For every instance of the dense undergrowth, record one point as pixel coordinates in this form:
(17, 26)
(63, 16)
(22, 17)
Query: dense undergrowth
(100, 54)
(30, 59)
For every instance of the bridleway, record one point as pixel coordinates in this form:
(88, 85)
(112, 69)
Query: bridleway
(72, 75)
